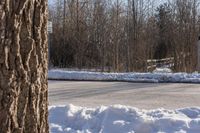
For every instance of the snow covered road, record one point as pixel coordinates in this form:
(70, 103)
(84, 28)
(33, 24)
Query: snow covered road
(140, 95)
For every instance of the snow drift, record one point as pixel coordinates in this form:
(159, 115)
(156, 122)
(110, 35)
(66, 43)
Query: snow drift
(155, 77)
(122, 119)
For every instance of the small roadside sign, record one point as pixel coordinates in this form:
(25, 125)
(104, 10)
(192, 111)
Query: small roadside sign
(50, 27)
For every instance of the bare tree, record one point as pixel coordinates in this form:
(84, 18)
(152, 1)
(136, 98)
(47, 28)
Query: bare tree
(122, 35)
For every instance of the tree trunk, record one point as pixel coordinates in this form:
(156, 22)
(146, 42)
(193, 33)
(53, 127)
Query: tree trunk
(23, 66)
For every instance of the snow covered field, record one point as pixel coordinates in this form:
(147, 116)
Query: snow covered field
(122, 119)
(158, 76)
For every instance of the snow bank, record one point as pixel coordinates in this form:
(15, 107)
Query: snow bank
(162, 70)
(122, 119)
(131, 77)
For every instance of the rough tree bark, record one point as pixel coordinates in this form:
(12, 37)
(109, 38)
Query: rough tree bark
(23, 66)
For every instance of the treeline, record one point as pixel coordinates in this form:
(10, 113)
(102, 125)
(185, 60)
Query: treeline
(121, 35)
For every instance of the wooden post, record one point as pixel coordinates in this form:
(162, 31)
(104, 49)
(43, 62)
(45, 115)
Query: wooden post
(198, 55)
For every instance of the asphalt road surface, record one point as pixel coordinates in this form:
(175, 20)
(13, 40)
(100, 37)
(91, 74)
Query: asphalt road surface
(140, 95)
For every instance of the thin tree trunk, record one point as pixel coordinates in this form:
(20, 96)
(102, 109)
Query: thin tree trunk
(23, 66)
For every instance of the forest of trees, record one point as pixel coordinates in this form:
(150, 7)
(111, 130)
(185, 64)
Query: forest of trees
(121, 35)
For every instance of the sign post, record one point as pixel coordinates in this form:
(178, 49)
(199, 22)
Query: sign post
(50, 31)
(198, 55)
